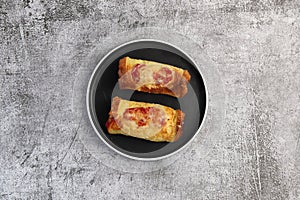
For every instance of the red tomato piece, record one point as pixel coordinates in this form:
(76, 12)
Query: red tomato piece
(142, 116)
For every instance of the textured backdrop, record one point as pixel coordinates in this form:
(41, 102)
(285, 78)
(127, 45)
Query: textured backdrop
(255, 47)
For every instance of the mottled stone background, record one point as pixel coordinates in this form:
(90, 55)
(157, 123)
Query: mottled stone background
(254, 45)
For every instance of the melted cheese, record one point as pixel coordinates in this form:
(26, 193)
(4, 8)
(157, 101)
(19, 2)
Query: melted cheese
(132, 62)
(146, 74)
(129, 127)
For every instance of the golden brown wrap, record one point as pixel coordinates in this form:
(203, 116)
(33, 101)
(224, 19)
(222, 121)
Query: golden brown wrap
(147, 121)
(152, 77)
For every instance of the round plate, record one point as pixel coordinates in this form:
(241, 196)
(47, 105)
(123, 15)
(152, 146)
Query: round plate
(103, 86)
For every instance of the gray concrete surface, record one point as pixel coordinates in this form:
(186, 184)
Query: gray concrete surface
(255, 47)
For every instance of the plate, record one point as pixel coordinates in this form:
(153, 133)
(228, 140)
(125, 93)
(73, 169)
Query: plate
(103, 86)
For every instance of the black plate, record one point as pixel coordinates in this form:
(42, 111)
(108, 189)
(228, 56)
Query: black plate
(103, 87)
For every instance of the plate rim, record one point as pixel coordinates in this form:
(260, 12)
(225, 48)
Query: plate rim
(88, 105)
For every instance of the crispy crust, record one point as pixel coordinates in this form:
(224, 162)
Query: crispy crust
(157, 90)
(170, 132)
(123, 66)
(111, 124)
(177, 87)
(179, 125)
(186, 75)
(114, 105)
